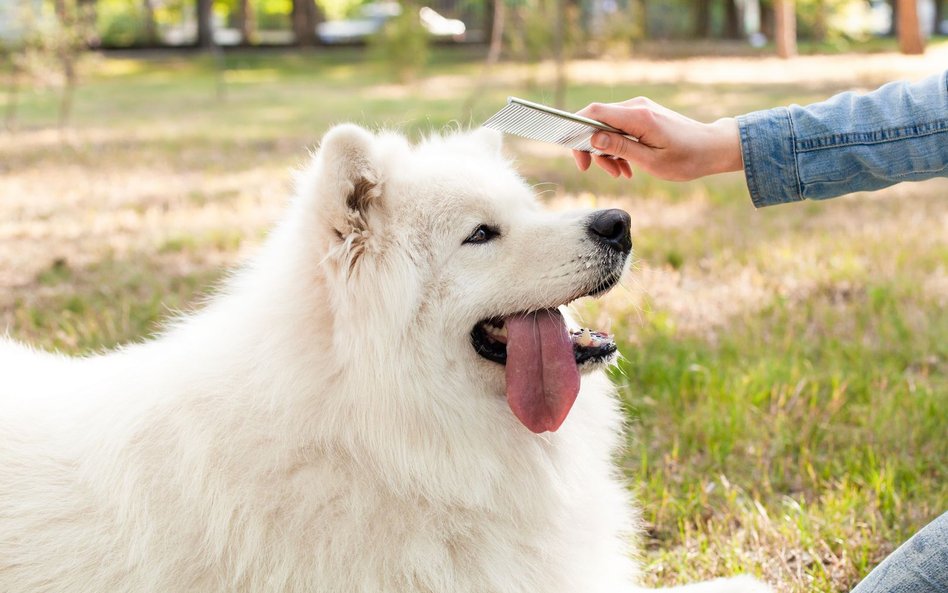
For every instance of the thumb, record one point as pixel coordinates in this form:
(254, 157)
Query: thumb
(619, 146)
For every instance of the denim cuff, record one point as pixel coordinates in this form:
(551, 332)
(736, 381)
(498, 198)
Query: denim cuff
(770, 164)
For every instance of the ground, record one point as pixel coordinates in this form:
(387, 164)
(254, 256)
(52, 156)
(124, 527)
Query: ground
(784, 370)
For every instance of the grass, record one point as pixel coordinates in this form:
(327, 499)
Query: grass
(784, 370)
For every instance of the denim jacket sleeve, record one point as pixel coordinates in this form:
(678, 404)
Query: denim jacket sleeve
(849, 143)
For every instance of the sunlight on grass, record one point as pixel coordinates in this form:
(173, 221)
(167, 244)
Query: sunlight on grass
(257, 75)
(121, 68)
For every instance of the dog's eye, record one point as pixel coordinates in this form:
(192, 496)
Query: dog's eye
(482, 234)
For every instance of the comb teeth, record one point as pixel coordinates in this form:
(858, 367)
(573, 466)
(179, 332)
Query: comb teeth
(534, 124)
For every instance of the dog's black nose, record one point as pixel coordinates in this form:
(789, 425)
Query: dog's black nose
(611, 229)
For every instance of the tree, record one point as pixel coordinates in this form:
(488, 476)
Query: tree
(702, 13)
(13, 87)
(205, 29)
(820, 24)
(67, 44)
(151, 28)
(767, 18)
(559, 54)
(403, 45)
(496, 47)
(643, 18)
(702, 10)
(732, 20)
(496, 32)
(785, 28)
(893, 22)
(909, 29)
(304, 22)
(88, 15)
(246, 22)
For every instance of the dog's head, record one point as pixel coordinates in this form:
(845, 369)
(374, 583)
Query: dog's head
(438, 259)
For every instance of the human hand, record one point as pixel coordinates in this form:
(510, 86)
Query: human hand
(671, 146)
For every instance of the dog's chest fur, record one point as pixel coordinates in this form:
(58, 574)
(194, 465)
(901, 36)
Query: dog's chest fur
(219, 492)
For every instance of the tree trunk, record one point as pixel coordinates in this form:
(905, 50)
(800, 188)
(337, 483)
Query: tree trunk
(767, 19)
(151, 29)
(67, 51)
(733, 28)
(643, 19)
(497, 32)
(205, 29)
(559, 55)
(246, 22)
(785, 28)
(304, 22)
(893, 23)
(939, 16)
(702, 11)
(910, 32)
(69, 87)
(493, 54)
(88, 15)
(819, 24)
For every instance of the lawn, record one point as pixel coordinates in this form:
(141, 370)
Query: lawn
(783, 370)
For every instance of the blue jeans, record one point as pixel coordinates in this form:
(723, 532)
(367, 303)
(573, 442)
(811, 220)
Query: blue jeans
(920, 565)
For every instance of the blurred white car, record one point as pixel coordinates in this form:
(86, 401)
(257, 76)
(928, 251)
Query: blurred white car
(373, 16)
(440, 26)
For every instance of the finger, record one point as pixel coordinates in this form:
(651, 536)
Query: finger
(625, 168)
(607, 164)
(619, 146)
(582, 159)
(636, 121)
(591, 110)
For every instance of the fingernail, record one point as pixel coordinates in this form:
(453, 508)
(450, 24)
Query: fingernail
(600, 140)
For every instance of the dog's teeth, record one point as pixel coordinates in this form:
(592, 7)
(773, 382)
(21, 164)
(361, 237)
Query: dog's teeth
(585, 338)
(497, 332)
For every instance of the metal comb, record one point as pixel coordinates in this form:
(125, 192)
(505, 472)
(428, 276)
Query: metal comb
(540, 122)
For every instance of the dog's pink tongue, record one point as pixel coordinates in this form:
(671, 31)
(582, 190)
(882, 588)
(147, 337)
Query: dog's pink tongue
(542, 378)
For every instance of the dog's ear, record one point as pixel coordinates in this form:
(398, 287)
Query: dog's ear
(349, 179)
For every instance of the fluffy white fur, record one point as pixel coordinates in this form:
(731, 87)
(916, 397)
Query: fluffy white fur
(323, 424)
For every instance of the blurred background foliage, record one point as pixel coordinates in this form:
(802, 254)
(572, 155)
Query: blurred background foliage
(173, 23)
(41, 39)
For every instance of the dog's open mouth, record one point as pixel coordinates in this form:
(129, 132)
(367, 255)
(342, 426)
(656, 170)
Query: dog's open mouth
(489, 338)
(543, 359)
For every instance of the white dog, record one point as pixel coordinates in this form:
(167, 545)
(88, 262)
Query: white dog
(377, 403)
